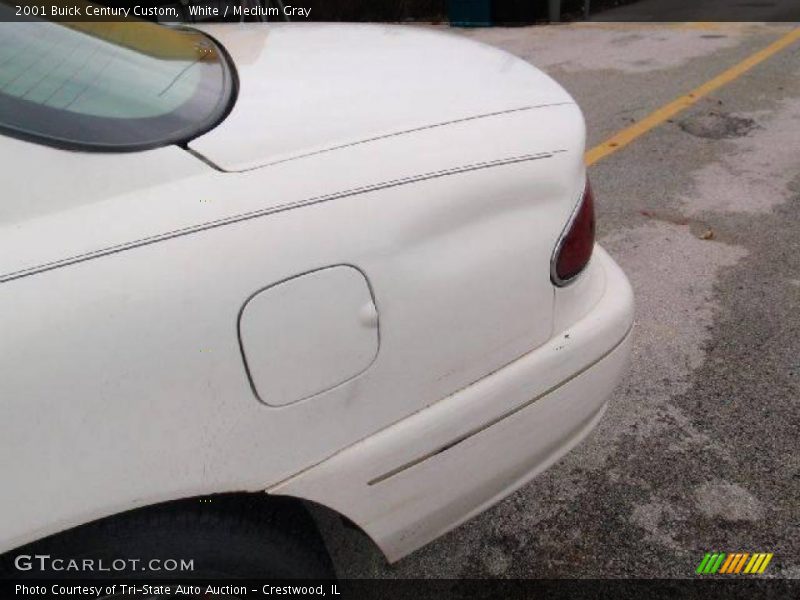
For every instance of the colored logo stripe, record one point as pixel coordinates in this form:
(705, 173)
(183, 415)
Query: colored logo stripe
(762, 564)
(710, 563)
(727, 564)
(737, 562)
(734, 563)
(703, 564)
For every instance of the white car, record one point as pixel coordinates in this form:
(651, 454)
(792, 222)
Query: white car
(263, 266)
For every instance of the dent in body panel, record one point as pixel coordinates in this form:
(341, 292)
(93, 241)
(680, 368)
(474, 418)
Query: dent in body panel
(158, 322)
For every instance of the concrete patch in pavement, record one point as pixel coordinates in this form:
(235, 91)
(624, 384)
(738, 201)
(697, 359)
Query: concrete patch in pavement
(657, 519)
(588, 48)
(728, 501)
(762, 165)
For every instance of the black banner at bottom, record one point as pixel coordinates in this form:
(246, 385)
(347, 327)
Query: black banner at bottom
(400, 589)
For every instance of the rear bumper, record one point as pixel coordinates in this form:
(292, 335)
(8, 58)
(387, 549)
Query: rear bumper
(413, 481)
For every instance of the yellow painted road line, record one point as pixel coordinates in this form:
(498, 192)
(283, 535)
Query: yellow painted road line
(656, 118)
(643, 25)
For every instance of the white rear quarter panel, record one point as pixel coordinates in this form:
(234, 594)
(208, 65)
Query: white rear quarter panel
(121, 374)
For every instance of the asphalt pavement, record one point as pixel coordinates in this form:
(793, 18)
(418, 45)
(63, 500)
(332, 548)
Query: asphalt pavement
(705, 10)
(699, 448)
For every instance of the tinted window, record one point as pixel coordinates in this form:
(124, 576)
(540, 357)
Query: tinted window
(110, 86)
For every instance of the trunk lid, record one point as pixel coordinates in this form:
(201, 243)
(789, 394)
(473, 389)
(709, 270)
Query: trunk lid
(309, 88)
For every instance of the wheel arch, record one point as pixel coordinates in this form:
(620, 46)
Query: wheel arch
(310, 520)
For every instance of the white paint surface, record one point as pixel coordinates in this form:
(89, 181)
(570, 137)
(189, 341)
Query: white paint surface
(120, 298)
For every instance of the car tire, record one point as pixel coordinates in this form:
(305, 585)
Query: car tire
(223, 537)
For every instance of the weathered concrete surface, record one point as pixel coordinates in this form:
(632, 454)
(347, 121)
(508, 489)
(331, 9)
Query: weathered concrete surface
(707, 10)
(699, 449)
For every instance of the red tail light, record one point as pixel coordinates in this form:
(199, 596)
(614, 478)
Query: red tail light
(574, 247)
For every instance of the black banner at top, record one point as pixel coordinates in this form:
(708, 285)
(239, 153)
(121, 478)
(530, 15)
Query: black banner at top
(462, 12)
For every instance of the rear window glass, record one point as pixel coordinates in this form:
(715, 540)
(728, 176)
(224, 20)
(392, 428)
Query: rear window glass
(110, 86)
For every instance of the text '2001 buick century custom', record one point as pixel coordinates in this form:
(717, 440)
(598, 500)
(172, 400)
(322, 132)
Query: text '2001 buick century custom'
(274, 266)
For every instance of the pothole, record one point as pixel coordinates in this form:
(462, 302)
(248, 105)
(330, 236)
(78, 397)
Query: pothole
(717, 125)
